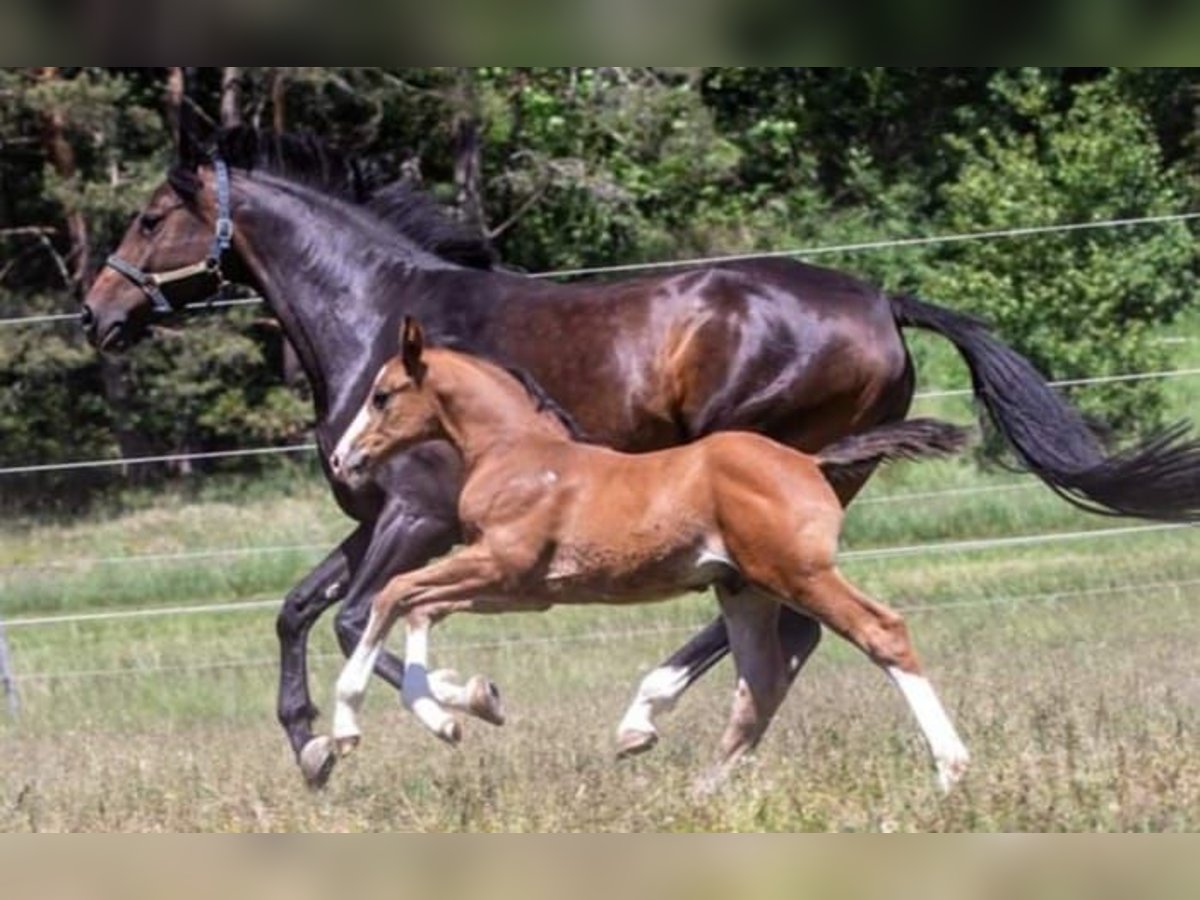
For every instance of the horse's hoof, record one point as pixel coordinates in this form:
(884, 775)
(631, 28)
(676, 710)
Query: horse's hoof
(484, 700)
(348, 744)
(635, 743)
(451, 733)
(317, 759)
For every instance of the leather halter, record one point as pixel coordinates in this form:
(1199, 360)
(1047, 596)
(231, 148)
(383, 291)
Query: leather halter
(151, 283)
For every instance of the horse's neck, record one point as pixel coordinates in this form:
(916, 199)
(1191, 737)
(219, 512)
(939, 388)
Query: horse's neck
(321, 276)
(482, 408)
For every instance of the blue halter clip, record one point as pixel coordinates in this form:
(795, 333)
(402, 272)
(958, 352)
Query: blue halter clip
(152, 283)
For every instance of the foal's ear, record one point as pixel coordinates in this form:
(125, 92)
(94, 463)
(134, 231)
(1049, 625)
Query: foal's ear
(412, 345)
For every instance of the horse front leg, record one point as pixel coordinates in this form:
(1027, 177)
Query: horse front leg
(303, 605)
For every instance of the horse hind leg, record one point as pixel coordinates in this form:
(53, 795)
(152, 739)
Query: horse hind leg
(662, 687)
(751, 620)
(881, 633)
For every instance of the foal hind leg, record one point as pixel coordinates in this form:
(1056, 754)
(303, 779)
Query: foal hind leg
(751, 619)
(660, 689)
(881, 633)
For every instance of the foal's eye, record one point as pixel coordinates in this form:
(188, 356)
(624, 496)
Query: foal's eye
(148, 222)
(379, 399)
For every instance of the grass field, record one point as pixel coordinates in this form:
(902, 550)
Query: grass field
(1070, 666)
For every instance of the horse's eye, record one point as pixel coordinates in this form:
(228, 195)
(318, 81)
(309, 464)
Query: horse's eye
(379, 399)
(149, 222)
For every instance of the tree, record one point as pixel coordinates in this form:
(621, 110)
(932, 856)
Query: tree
(1083, 303)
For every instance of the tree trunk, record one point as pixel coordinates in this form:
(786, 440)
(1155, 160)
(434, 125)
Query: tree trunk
(279, 100)
(114, 377)
(61, 155)
(231, 97)
(175, 95)
(468, 151)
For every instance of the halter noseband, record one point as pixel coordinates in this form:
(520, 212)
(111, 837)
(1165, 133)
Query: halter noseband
(152, 283)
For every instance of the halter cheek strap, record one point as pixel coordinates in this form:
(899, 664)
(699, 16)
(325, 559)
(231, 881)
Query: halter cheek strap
(151, 283)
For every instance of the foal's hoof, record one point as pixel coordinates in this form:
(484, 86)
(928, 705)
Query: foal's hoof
(317, 759)
(348, 744)
(635, 743)
(950, 771)
(483, 700)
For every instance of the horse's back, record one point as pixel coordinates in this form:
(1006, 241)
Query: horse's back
(799, 352)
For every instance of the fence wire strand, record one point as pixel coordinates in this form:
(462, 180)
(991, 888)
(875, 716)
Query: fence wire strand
(310, 447)
(824, 250)
(846, 556)
(598, 636)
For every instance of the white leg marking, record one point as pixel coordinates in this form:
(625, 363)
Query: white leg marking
(417, 693)
(658, 693)
(446, 687)
(342, 450)
(352, 685)
(949, 753)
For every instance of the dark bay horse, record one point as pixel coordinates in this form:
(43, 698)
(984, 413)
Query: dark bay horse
(803, 354)
(552, 520)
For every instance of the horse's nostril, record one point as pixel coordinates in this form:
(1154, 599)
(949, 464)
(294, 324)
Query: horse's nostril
(87, 318)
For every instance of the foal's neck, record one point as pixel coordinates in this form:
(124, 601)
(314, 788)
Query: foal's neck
(483, 408)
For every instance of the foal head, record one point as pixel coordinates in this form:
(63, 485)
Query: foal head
(400, 411)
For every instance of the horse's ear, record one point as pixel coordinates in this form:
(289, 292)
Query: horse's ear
(193, 133)
(412, 346)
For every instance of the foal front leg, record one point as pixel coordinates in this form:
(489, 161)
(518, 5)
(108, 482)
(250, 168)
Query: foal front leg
(457, 577)
(418, 693)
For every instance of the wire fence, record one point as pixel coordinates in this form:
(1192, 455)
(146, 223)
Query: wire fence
(820, 250)
(265, 603)
(857, 247)
(598, 636)
(873, 553)
(190, 556)
(118, 462)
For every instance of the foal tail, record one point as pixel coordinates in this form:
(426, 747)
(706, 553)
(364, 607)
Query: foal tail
(1157, 479)
(856, 455)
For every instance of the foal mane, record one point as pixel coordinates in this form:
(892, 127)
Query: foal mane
(306, 159)
(542, 401)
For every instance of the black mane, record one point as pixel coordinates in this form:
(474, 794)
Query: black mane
(307, 159)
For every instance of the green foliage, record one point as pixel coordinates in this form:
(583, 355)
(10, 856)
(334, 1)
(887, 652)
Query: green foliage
(1084, 303)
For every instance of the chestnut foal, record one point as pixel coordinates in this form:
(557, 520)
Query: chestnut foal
(552, 520)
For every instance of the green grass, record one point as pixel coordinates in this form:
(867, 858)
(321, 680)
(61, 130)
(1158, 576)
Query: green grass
(1070, 667)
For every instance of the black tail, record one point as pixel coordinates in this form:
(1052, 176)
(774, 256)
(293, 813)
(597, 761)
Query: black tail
(855, 455)
(1158, 479)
